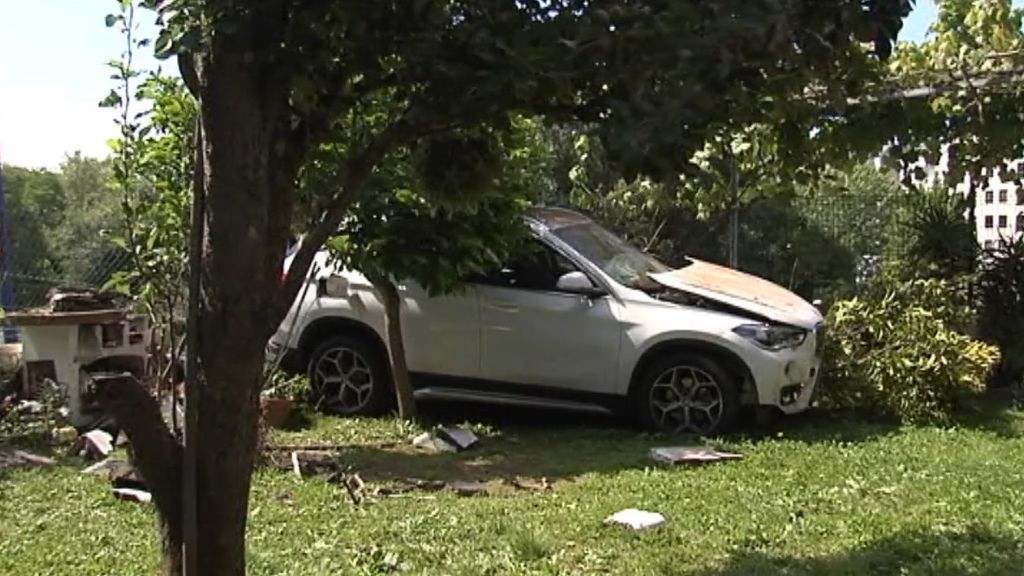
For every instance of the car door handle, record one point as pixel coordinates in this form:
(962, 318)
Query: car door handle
(503, 305)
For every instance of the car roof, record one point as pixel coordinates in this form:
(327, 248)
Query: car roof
(555, 218)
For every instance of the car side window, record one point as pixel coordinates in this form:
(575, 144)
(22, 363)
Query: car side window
(538, 267)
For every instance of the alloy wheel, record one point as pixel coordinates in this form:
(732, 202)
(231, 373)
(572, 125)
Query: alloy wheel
(686, 399)
(342, 379)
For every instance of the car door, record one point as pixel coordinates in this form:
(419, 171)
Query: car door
(441, 334)
(532, 333)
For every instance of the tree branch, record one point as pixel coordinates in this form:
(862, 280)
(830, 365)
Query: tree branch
(358, 169)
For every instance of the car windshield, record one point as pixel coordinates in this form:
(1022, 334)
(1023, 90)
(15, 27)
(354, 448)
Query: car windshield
(625, 263)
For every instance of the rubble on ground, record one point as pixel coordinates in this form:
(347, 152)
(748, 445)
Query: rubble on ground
(24, 459)
(111, 468)
(635, 519)
(446, 440)
(132, 495)
(97, 444)
(313, 462)
(467, 488)
(691, 455)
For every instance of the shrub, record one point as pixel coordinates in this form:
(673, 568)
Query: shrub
(1000, 290)
(288, 386)
(941, 236)
(896, 352)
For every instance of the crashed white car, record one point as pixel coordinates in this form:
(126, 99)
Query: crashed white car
(583, 320)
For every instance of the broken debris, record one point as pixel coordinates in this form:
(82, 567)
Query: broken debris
(425, 485)
(111, 468)
(20, 458)
(529, 484)
(467, 488)
(460, 438)
(97, 443)
(691, 455)
(431, 443)
(446, 440)
(132, 495)
(352, 483)
(635, 519)
(313, 462)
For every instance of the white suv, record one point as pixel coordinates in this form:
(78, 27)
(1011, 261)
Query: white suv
(582, 321)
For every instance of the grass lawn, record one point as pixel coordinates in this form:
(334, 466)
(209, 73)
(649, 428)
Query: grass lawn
(819, 495)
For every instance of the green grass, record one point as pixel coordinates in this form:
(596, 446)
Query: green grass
(819, 496)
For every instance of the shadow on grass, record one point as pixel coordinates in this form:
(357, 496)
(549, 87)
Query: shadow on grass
(561, 446)
(976, 551)
(993, 412)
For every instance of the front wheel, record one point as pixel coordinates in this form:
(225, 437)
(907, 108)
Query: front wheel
(349, 377)
(685, 393)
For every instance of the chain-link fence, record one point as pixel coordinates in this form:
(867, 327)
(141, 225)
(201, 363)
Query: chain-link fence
(820, 247)
(33, 274)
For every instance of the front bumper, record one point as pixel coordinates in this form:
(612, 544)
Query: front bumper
(787, 379)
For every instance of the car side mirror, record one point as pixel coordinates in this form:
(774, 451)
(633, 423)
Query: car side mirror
(578, 283)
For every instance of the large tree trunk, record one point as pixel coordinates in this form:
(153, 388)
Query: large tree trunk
(396, 347)
(247, 211)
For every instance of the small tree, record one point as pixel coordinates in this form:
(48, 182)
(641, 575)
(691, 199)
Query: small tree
(152, 166)
(439, 230)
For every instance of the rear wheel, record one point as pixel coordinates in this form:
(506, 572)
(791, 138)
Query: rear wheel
(349, 377)
(686, 393)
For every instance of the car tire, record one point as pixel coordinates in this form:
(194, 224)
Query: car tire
(349, 376)
(686, 393)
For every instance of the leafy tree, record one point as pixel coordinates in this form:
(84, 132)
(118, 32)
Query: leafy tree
(274, 78)
(35, 204)
(91, 215)
(953, 99)
(153, 165)
(405, 231)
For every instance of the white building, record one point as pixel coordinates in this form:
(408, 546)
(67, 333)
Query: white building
(999, 206)
(999, 210)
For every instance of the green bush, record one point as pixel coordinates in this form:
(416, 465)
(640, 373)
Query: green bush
(896, 352)
(1001, 294)
(288, 386)
(941, 241)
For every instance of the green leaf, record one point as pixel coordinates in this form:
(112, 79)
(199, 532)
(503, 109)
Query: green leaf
(112, 100)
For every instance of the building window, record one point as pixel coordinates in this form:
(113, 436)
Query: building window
(989, 244)
(988, 196)
(1003, 221)
(1020, 197)
(1020, 222)
(1002, 196)
(988, 221)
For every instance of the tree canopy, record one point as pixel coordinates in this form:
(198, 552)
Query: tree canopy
(278, 80)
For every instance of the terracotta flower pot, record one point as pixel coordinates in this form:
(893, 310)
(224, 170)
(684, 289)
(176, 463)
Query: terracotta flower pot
(276, 411)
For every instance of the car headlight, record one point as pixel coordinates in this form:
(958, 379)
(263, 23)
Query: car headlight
(772, 337)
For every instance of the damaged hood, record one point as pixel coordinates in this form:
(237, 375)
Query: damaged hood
(743, 291)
